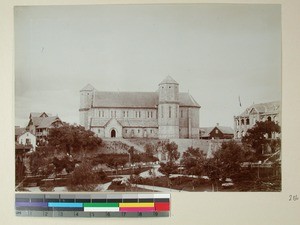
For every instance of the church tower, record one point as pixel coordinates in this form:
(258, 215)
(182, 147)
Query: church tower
(168, 109)
(86, 99)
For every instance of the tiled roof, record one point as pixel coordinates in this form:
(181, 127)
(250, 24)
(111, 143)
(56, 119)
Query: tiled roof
(168, 80)
(264, 108)
(137, 100)
(48, 121)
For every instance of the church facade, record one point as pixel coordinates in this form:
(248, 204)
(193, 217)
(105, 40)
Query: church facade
(166, 113)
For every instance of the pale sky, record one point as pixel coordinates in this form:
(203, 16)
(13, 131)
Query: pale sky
(216, 52)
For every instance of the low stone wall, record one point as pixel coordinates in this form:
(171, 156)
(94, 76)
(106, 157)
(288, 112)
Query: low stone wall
(184, 144)
(207, 146)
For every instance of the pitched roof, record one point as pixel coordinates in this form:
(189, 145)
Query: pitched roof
(19, 131)
(88, 87)
(99, 122)
(136, 99)
(168, 80)
(38, 114)
(263, 108)
(225, 130)
(185, 99)
(48, 121)
(139, 123)
(205, 131)
(126, 99)
(36, 121)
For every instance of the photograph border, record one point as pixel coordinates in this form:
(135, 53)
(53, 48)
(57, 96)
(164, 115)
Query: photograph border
(215, 208)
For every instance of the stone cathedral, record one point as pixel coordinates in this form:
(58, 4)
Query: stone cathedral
(166, 113)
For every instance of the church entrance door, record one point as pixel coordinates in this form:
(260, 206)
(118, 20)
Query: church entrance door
(113, 133)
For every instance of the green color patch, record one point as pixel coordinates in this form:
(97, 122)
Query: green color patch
(101, 204)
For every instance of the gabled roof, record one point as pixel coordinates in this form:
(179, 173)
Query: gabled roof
(207, 130)
(48, 121)
(38, 114)
(25, 132)
(264, 108)
(168, 80)
(136, 100)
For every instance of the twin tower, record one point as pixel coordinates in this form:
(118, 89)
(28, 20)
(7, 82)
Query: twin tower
(168, 109)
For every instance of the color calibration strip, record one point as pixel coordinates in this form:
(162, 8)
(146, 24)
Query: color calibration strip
(93, 205)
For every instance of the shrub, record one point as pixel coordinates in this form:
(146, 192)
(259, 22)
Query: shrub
(83, 178)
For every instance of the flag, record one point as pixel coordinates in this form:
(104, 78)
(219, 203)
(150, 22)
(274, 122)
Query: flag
(240, 101)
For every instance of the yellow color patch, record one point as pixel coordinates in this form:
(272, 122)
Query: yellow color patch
(133, 204)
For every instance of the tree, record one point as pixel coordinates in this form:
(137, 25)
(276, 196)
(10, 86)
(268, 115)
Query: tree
(40, 161)
(259, 136)
(212, 168)
(131, 154)
(116, 161)
(83, 178)
(167, 168)
(194, 161)
(229, 158)
(171, 150)
(149, 150)
(73, 137)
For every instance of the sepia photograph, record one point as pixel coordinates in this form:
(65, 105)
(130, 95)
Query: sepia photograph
(148, 98)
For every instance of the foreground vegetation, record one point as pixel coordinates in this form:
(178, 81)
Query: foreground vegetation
(71, 158)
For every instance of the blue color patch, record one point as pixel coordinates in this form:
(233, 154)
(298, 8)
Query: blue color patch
(65, 204)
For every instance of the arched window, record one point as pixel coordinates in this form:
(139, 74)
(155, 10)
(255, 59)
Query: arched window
(242, 122)
(269, 118)
(113, 133)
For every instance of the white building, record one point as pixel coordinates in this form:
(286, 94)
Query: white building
(257, 112)
(27, 139)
